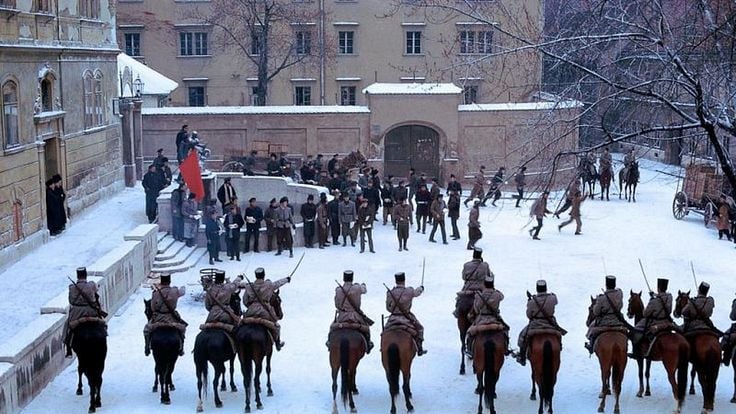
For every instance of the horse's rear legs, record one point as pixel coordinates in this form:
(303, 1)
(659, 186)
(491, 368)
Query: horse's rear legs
(79, 382)
(533, 395)
(407, 392)
(269, 391)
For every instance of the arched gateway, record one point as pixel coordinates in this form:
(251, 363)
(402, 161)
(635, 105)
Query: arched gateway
(412, 146)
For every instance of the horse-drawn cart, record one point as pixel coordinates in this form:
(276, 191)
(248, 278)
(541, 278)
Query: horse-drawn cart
(699, 191)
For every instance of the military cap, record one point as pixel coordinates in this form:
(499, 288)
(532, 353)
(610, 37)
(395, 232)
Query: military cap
(81, 273)
(662, 284)
(703, 288)
(347, 276)
(610, 282)
(260, 273)
(166, 279)
(477, 252)
(541, 286)
(400, 277)
(219, 276)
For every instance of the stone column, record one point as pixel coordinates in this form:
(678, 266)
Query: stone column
(137, 130)
(126, 124)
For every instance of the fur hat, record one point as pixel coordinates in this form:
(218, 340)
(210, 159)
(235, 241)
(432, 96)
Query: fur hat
(541, 286)
(166, 279)
(477, 253)
(219, 276)
(610, 282)
(284, 199)
(310, 197)
(82, 273)
(703, 288)
(322, 197)
(260, 273)
(347, 276)
(400, 277)
(662, 284)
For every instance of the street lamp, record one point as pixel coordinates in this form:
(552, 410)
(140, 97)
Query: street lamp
(138, 87)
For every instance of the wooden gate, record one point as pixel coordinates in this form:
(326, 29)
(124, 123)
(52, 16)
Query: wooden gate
(412, 146)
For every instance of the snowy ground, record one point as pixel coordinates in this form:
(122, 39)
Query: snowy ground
(40, 276)
(573, 266)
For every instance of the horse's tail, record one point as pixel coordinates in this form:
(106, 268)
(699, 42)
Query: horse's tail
(710, 372)
(394, 368)
(547, 387)
(200, 363)
(489, 371)
(345, 386)
(683, 357)
(247, 361)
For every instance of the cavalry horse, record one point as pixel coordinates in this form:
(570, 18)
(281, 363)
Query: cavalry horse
(610, 348)
(89, 342)
(347, 348)
(605, 177)
(669, 347)
(397, 353)
(254, 343)
(211, 346)
(544, 356)
(588, 175)
(489, 351)
(705, 355)
(465, 303)
(628, 178)
(165, 345)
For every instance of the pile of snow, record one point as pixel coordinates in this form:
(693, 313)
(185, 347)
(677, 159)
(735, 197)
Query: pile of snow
(573, 266)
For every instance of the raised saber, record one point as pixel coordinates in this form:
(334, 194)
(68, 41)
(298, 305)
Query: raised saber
(641, 266)
(297, 265)
(695, 279)
(424, 262)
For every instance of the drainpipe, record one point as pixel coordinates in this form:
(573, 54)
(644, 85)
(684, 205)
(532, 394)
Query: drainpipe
(322, 52)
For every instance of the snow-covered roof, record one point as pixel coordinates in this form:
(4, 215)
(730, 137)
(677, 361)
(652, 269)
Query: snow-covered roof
(154, 83)
(412, 89)
(520, 106)
(238, 110)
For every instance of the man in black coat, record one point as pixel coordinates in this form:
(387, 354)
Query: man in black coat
(60, 201)
(152, 186)
(273, 168)
(333, 208)
(373, 195)
(52, 213)
(233, 223)
(212, 231)
(181, 139)
(332, 164)
(226, 194)
(253, 218)
(309, 214)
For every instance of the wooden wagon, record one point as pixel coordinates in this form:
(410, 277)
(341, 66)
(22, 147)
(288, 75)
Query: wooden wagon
(698, 192)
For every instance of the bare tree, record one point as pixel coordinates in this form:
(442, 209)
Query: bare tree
(668, 64)
(272, 34)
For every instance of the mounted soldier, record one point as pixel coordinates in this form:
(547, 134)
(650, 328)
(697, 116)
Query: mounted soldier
(257, 297)
(540, 309)
(607, 313)
(84, 306)
(698, 311)
(398, 304)
(474, 274)
(605, 162)
(657, 313)
(629, 158)
(348, 312)
(485, 314)
(163, 311)
(217, 303)
(729, 337)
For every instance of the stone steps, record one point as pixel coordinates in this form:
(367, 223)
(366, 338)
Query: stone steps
(191, 261)
(164, 245)
(178, 259)
(172, 249)
(174, 256)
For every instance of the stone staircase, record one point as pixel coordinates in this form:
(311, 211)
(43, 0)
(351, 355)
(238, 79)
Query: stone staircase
(174, 256)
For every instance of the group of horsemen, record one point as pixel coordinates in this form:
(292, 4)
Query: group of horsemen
(605, 162)
(478, 285)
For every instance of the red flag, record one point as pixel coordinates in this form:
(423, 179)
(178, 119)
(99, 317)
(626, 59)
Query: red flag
(192, 175)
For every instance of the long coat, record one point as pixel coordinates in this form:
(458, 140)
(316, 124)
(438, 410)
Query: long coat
(697, 313)
(486, 307)
(263, 290)
(606, 310)
(398, 304)
(79, 298)
(345, 310)
(189, 211)
(163, 301)
(658, 310)
(474, 274)
(217, 297)
(723, 222)
(347, 212)
(540, 310)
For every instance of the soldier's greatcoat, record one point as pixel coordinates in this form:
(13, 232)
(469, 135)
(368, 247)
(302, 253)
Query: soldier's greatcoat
(540, 310)
(398, 304)
(163, 303)
(263, 290)
(486, 307)
(657, 311)
(79, 306)
(697, 313)
(474, 273)
(217, 297)
(346, 313)
(606, 311)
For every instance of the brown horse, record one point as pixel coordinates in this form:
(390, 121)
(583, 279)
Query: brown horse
(628, 178)
(347, 347)
(705, 356)
(610, 348)
(489, 350)
(544, 355)
(671, 348)
(605, 178)
(397, 353)
(465, 303)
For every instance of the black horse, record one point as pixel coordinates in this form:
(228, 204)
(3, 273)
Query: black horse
(214, 347)
(89, 342)
(254, 343)
(587, 173)
(628, 178)
(165, 345)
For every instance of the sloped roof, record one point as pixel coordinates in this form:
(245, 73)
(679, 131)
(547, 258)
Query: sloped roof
(412, 89)
(238, 110)
(154, 83)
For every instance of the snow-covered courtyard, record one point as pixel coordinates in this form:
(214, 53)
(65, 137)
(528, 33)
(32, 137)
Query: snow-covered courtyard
(615, 235)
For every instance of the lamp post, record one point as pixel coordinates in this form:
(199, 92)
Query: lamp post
(138, 87)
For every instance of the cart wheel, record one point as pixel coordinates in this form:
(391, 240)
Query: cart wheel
(708, 213)
(233, 166)
(680, 205)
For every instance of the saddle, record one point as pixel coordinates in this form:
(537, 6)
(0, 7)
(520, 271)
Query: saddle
(364, 329)
(226, 328)
(401, 327)
(159, 325)
(544, 331)
(86, 319)
(260, 321)
(696, 332)
(487, 327)
(597, 331)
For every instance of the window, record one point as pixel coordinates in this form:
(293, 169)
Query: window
(254, 95)
(345, 43)
(475, 41)
(193, 44)
(7, 3)
(256, 43)
(303, 42)
(470, 94)
(133, 44)
(196, 96)
(47, 94)
(89, 9)
(94, 100)
(9, 104)
(347, 95)
(43, 6)
(413, 43)
(303, 95)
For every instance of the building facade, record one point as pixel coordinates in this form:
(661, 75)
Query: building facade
(58, 75)
(339, 48)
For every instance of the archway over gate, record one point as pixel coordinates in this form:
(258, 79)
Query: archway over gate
(412, 146)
